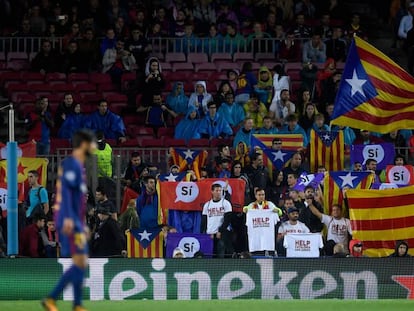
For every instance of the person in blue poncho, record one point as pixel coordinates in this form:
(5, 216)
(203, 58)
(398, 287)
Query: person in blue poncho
(177, 100)
(349, 134)
(293, 127)
(244, 134)
(213, 125)
(147, 204)
(73, 122)
(268, 127)
(318, 124)
(230, 111)
(187, 128)
(106, 121)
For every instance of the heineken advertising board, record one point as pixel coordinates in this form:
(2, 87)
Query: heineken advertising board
(160, 279)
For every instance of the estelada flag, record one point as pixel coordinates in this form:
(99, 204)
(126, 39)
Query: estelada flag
(291, 142)
(189, 159)
(379, 218)
(145, 243)
(26, 150)
(335, 182)
(129, 195)
(191, 196)
(400, 174)
(327, 150)
(24, 165)
(374, 93)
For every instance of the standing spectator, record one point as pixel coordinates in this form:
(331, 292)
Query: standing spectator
(356, 249)
(102, 202)
(216, 219)
(139, 46)
(365, 138)
(325, 27)
(255, 110)
(336, 46)
(301, 30)
(108, 239)
(37, 22)
(257, 173)
(295, 166)
(314, 50)
(282, 108)
(64, 109)
(106, 121)
(154, 80)
(232, 76)
(397, 140)
(74, 121)
(225, 15)
(73, 35)
(38, 203)
(293, 127)
(31, 244)
(401, 249)
(290, 49)
(230, 111)
(109, 41)
(306, 215)
(116, 61)
(200, 98)
(104, 156)
(72, 60)
(281, 82)
(256, 41)
(25, 29)
(406, 23)
(39, 123)
(291, 226)
(286, 6)
(308, 76)
(339, 228)
(115, 11)
(177, 100)
(246, 83)
(89, 48)
(213, 125)
(133, 172)
(147, 204)
(129, 219)
(188, 127)
(47, 60)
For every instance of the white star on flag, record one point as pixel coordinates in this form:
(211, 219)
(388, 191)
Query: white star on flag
(327, 137)
(145, 235)
(188, 154)
(356, 84)
(279, 155)
(171, 177)
(348, 180)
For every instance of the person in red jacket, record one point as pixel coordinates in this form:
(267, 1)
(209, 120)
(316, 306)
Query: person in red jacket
(31, 244)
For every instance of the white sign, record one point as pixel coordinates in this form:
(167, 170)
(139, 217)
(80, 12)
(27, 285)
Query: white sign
(375, 152)
(186, 192)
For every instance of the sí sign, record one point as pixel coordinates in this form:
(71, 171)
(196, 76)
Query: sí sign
(161, 279)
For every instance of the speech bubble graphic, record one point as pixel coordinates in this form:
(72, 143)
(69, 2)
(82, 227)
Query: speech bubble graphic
(222, 183)
(186, 192)
(375, 152)
(388, 186)
(3, 199)
(399, 175)
(190, 246)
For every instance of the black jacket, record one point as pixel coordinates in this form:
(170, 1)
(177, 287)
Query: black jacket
(108, 240)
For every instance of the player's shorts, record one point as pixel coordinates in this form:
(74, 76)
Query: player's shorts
(75, 244)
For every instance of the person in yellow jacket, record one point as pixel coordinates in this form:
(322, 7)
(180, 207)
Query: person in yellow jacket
(104, 156)
(261, 203)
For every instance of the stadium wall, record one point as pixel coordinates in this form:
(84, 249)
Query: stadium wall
(160, 279)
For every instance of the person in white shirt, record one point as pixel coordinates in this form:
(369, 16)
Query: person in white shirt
(339, 228)
(216, 219)
(280, 109)
(291, 226)
(406, 22)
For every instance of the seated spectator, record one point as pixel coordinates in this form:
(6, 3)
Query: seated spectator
(365, 138)
(158, 113)
(37, 21)
(177, 100)
(177, 27)
(268, 127)
(139, 46)
(73, 35)
(255, 39)
(109, 41)
(265, 85)
(64, 109)
(47, 60)
(163, 20)
(74, 121)
(401, 249)
(255, 110)
(204, 15)
(133, 172)
(189, 43)
(336, 46)
(72, 60)
(108, 240)
(213, 125)
(319, 124)
(291, 226)
(303, 99)
(88, 46)
(242, 155)
(39, 123)
(308, 117)
(246, 83)
(116, 61)
(232, 76)
(282, 108)
(233, 113)
(301, 30)
(325, 26)
(324, 78)
(314, 50)
(103, 154)
(154, 81)
(129, 219)
(244, 134)
(147, 204)
(224, 89)
(187, 128)
(233, 40)
(290, 49)
(200, 98)
(293, 127)
(225, 14)
(24, 29)
(338, 227)
(106, 121)
(121, 29)
(31, 244)
(281, 82)
(155, 31)
(214, 42)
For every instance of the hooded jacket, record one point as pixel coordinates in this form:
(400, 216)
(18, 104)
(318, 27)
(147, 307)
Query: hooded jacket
(264, 88)
(352, 243)
(73, 122)
(234, 114)
(188, 129)
(178, 103)
(201, 99)
(214, 127)
(397, 245)
(110, 123)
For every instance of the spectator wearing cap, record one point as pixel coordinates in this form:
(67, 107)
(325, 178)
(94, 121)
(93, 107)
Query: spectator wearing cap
(108, 240)
(213, 125)
(291, 226)
(102, 201)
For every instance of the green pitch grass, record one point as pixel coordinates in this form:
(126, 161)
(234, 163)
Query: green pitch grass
(233, 305)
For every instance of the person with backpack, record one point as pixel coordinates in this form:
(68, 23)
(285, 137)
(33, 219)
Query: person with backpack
(38, 200)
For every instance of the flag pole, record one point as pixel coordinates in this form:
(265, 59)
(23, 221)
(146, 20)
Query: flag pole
(12, 207)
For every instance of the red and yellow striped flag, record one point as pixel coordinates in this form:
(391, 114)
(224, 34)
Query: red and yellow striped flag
(291, 142)
(379, 218)
(335, 182)
(327, 150)
(145, 243)
(188, 159)
(375, 93)
(24, 165)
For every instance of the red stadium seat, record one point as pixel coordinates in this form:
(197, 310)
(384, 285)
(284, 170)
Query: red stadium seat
(294, 75)
(171, 142)
(165, 67)
(152, 142)
(198, 143)
(16, 87)
(57, 143)
(215, 142)
(182, 66)
(65, 88)
(126, 78)
(106, 87)
(91, 99)
(180, 76)
(197, 58)
(258, 57)
(18, 65)
(9, 76)
(175, 57)
(222, 67)
(85, 88)
(72, 77)
(205, 67)
(17, 56)
(294, 66)
(22, 98)
(166, 132)
(117, 98)
(99, 78)
(220, 56)
(55, 76)
(142, 130)
(41, 87)
(32, 76)
(243, 56)
(159, 56)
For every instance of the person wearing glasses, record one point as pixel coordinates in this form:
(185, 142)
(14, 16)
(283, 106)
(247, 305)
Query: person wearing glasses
(213, 125)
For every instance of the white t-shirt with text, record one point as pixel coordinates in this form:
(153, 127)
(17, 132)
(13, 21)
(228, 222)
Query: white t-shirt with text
(261, 229)
(338, 229)
(215, 214)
